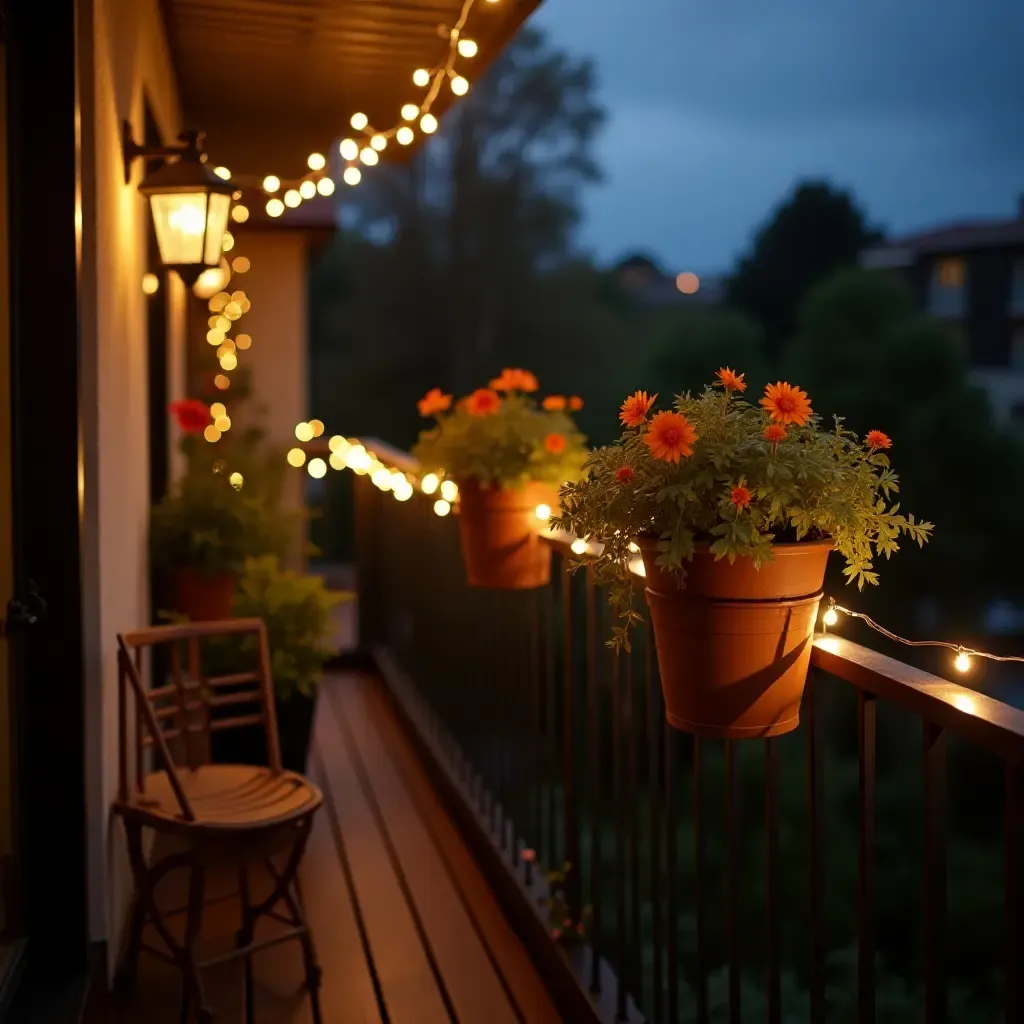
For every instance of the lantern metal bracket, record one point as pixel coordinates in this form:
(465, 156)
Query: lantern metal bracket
(191, 149)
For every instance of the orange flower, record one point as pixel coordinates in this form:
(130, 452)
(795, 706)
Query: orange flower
(731, 381)
(876, 439)
(740, 497)
(554, 403)
(786, 404)
(575, 403)
(670, 435)
(555, 443)
(483, 402)
(774, 432)
(515, 380)
(433, 402)
(624, 474)
(635, 408)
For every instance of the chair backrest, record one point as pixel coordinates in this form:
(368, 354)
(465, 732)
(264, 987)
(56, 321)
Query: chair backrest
(177, 715)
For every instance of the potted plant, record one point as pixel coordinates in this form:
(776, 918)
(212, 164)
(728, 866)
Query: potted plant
(508, 454)
(297, 610)
(734, 509)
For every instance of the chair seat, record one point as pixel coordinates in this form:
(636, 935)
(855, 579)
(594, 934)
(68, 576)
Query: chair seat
(227, 798)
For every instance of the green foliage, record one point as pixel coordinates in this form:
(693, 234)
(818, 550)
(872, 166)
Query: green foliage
(297, 611)
(507, 448)
(206, 524)
(812, 484)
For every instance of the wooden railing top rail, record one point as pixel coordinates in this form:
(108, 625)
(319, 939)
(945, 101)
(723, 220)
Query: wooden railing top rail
(982, 719)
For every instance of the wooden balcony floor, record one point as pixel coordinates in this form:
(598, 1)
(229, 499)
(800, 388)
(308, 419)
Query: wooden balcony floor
(405, 925)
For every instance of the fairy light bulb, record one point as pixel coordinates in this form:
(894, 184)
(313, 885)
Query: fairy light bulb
(962, 661)
(316, 161)
(402, 491)
(381, 478)
(421, 77)
(325, 186)
(307, 190)
(410, 112)
(428, 124)
(296, 457)
(150, 284)
(352, 176)
(430, 483)
(831, 617)
(442, 507)
(292, 198)
(274, 207)
(304, 432)
(218, 409)
(239, 214)
(359, 121)
(404, 135)
(222, 172)
(228, 242)
(460, 85)
(349, 149)
(579, 547)
(236, 480)
(449, 490)
(379, 143)
(368, 156)
(543, 512)
(271, 183)
(468, 48)
(317, 468)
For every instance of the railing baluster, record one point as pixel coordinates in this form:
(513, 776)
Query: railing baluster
(571, 843)
(700, 880)
(554, 855)
(934, 752)
(594, 782)
(654, 773)
(671, 870)
(633, 798)
(1013, 881)
(621, 820)
(866, 728)
(817, 868)
(733, 868)
(771, 826)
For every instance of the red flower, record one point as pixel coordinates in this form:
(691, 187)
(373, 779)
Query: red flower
(876, 439)
(192, 415)
(555, 443)
(433, 402)
(483, 402)
(624, 474)
(553, 403)
(774, 432)
(740, 497)
(575, 403)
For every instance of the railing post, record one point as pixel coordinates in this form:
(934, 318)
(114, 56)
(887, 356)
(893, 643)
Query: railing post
(934, 752)
(866, 715)
(1013, 880)
(571, 840)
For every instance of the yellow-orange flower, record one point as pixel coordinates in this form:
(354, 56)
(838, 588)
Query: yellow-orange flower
(731, 381)
(483, 402)
(670, 436)
(786, 404)
(774, 432)
(554, 403)
(555, 443)
(876, 439)
(515, 380)
(635, 408)
(575, 403)
(433, 402)
(740, 497)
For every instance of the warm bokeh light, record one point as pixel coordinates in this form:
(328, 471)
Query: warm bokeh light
(271, 183)
(292, 198)
(228, 242)
(410, 112)
(316, 161)
(468, 48)
(150, 284)
(296, 457)
(379, 143)
(317, 468)
(236, 480)
(325, 186)
(218, 409)
(428, 124)
(240, 264)
(304, 432)
(578, 547)
(215, 336)
(221, 382)
(239, 214)
(212, 434)
(421, 77)
(222, 172)
(227, 346)
(429, 483)
(336, 460)
(228, 361)
(307, 190)
(223, 423)
(233, 310)
(962, 662)
(368, 156)
(359, 121)
(831, 617)
(449, 490)
(338, 444)
(358, 459)
(317, 427)
(243, 341)
(442, 507)
(543, 512)
(275, 207)
(352, 176)
(349, 149)
(404, 135)
(460, 85)
(688, 283)
(381, 478)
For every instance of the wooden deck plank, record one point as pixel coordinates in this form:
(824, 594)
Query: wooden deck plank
(411, 994)
(473, 981)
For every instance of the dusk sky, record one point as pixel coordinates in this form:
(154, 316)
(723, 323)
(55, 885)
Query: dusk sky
(716, 109)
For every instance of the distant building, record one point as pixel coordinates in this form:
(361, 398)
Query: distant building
(972, 275)
(647, 284)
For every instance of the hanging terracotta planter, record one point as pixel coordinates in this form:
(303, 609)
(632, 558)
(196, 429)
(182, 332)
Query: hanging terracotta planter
(203, 597)
(498, 528)
(734, 642)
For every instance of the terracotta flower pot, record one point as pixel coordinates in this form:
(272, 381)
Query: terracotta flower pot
(203, 597)
(734, 642)
(498, 528)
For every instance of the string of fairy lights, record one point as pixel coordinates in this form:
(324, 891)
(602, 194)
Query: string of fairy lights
(363, 150)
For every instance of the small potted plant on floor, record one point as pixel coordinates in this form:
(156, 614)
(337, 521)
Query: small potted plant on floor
(734, 509)
(508, 454)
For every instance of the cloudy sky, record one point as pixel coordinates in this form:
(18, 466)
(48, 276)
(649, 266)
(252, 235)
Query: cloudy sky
(717, 107)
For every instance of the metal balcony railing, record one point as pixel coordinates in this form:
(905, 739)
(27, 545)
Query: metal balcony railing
(837, 873)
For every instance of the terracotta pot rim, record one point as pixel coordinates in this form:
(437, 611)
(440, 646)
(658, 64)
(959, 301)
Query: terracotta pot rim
(649, 540)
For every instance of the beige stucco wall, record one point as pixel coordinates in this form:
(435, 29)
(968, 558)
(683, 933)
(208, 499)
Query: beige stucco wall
(124, 58)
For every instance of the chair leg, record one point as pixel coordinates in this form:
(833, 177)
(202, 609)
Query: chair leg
(192, 983)
(128, 969)
(245, 937)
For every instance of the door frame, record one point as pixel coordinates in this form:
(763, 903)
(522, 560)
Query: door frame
(48, 664)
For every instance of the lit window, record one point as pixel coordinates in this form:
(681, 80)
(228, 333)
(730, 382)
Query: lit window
(1017, 288)
(947, 291)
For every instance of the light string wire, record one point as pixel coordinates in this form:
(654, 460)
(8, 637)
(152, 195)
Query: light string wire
(364, 149)
(962, 652)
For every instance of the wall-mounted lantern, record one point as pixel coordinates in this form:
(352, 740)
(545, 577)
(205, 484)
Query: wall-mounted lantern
(189, 203)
